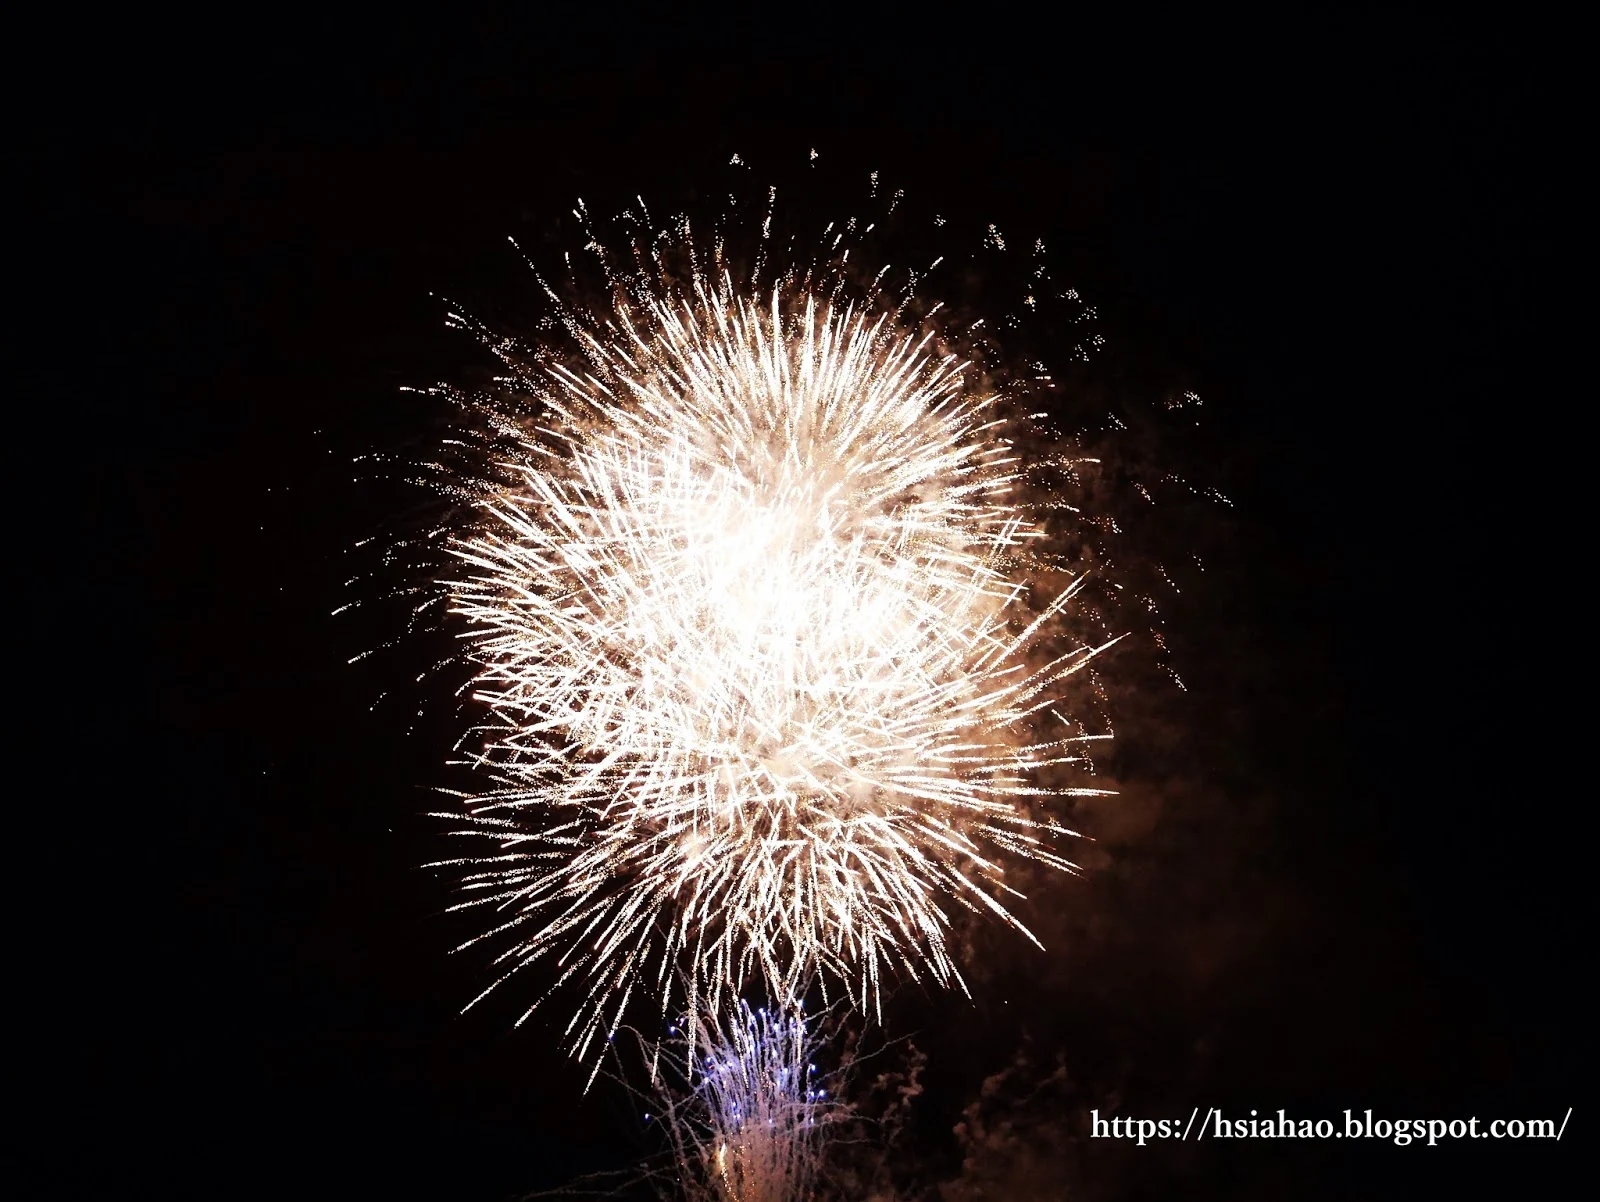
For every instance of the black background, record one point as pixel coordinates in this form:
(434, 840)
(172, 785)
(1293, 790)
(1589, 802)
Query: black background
(1359, 883)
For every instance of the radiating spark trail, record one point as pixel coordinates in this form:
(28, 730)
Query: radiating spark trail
(767, 682)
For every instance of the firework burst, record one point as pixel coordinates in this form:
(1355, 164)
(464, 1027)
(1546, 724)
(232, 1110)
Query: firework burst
(749, 1120)
(748, 601)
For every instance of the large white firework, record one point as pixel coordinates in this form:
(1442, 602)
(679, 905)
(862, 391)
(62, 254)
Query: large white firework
(769, 691)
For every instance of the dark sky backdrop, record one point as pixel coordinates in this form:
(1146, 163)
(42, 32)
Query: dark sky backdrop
(1348, 871)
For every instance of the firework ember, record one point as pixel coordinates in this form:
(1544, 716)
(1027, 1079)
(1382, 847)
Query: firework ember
(749, 606)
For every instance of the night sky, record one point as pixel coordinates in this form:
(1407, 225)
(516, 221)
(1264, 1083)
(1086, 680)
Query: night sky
(1346, 868)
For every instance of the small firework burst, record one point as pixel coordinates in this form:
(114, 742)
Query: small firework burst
(751, 1116)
